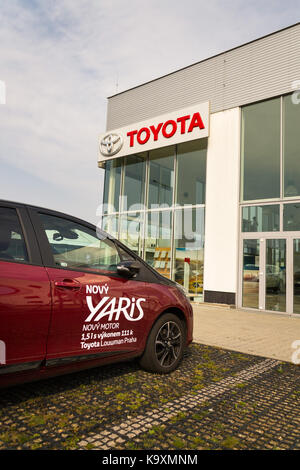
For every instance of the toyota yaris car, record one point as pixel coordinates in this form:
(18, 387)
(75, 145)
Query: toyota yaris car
(72, 297)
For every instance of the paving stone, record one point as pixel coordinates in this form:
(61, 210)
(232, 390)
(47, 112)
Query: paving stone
(216, 399)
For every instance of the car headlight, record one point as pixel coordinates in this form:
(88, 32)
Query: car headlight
(182, 289)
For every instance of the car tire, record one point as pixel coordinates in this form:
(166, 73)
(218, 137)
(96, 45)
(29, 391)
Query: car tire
(165, 345)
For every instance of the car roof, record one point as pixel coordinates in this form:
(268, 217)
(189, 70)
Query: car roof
(63, 214)
(32, 206)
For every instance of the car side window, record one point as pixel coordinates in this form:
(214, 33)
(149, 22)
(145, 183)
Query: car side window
(12, 243)
(75, 246)
(125, 255)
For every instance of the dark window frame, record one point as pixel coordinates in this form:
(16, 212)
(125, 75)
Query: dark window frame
(29, 236)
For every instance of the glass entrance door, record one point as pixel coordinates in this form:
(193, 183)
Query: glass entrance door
(264, 274)
(251, 273)
(296, 275)
(275, 275)
(270, 274)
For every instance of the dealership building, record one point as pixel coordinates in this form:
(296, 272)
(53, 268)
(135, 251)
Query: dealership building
(202, 174)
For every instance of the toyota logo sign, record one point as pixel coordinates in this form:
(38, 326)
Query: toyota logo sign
(111, 144)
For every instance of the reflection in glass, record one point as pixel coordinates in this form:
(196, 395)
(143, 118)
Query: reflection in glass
(191, 172)
(76, 246)
(189, 249)
(260, 218)
(261, 150)
(110, 225)
(134, 182)
(131, 231)
(161, 177)
(276, 275)
(158, 241)
(291, 147)
(297, 276)
(251, 273)
(291, 217)
(12, 243)
(112, 185)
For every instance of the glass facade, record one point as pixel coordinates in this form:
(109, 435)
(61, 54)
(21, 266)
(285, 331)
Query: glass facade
(131, 231)
(296, 275)
(158, 241)
(291, 147)
(251, 273)
(191, 189)
(189, 249)
(270, 150)
(157, 207)
(261, 150)
(260, 218)
(161, 177)
(110, 224)
(275, 286)
(291, 217)
(160, 209)
(270, 228)
(134, 182)
(112, 185)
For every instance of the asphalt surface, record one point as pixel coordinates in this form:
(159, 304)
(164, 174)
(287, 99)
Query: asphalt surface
(216, 399)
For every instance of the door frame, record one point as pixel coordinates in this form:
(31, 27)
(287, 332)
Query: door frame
(262, 237)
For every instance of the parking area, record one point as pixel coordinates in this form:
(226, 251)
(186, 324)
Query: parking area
(260, 333)
(216, 399)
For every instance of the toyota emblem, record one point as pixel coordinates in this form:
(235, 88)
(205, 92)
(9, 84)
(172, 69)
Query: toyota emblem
(111, 144)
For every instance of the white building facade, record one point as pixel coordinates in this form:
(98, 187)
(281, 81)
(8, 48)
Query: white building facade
(202, 174)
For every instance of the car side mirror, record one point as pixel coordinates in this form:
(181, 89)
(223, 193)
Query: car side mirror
(57, 236)
(128, 268)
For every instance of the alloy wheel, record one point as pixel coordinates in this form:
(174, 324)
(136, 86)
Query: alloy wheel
(168, 344)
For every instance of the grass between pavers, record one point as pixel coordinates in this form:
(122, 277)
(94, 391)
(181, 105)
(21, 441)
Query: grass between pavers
(59, 413)
(237, 421)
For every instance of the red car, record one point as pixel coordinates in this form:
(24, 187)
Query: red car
(72, 297)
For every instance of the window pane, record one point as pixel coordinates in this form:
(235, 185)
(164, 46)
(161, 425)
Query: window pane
(131, 231)
(260, 218)
(297, 276)
(125, 256)
(261, 150)
(189, 249)
(276, 275)
(112, 184)
(291, 217)
(291, 147)
(161, 177)
(134, 181)
(251, 273)
(158, 241)
(78, 247)
(12, 244)
(110, 224)
(191, 172)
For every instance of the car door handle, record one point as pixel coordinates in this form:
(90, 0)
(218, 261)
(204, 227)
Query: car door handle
(68, 284)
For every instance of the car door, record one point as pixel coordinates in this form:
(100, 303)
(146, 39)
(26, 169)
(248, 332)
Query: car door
(95, 311)
(25, 301)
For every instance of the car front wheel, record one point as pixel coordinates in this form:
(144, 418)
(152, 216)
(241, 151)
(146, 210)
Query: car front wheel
(165, 345)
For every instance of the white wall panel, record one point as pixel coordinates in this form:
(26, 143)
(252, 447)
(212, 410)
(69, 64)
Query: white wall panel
(222, 203)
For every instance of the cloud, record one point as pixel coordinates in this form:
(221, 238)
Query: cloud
(60, 60)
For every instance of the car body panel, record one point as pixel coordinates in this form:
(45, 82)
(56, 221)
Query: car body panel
(25, 310)
(161, 300)
(50, 316)
(75, 330)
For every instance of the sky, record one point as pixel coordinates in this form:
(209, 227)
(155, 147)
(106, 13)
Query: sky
(61, 59)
